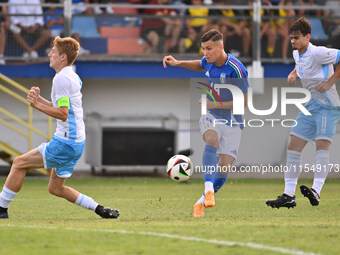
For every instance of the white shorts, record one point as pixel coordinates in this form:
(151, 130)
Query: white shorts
(229, 138)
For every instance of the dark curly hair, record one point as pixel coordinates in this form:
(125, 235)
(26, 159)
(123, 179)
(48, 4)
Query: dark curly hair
(301, 25)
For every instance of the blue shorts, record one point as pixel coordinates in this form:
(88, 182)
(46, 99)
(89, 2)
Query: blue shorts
(62, 155)
(320, 125)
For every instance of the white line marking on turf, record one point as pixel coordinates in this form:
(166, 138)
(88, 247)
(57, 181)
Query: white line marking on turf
(174, 199)
(187, 238)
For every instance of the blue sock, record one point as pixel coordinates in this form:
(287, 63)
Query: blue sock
(219, 181)
(209, 163)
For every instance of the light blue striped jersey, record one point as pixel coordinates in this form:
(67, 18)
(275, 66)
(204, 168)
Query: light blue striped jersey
(66, 83)
(314, 66)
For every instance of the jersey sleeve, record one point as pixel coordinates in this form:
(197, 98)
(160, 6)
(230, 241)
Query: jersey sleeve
(203, 63)
(326, 56)
(62, 87)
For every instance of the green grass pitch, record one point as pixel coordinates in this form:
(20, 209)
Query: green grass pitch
(156, 218)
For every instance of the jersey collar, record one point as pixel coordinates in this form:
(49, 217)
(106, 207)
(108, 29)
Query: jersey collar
(300, 56)
(228, 58)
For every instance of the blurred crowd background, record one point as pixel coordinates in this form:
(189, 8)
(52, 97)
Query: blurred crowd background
(148, 29)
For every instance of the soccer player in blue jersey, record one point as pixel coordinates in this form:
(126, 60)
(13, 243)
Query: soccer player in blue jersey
(222, 141)
(314, 66)
(64, 150)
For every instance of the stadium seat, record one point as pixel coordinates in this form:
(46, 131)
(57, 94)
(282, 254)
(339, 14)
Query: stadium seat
(120, 32)
(85, 26)
(125, 10)
(118, 22)
(95, 45)
(121, 46)
(318, 34)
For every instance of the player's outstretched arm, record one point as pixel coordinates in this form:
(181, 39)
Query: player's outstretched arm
(326, 85)
(190, 64)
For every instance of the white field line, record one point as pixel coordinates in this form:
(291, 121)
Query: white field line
(186, 238)
(174, 199)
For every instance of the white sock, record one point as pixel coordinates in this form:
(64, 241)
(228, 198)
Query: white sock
(201, 200)
(321, 169)
(6, 196)
(86, 202)
(209, 186)
(293, 172)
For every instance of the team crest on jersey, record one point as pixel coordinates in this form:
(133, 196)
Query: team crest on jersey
(222, 78)
(207, 74)
(234, 152)
(208, 122)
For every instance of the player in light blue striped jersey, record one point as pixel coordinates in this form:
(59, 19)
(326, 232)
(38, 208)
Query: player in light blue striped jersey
(314, 67)
(63, 152)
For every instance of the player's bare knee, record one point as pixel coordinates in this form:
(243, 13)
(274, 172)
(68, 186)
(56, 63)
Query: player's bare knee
(16, 162)
(225, 164)
(224, 168)
(323, 145)
(295, 147)
(211, 138)
(296, 143)
(291, 147)
(19, 163)
(56, 191)
(50, 190)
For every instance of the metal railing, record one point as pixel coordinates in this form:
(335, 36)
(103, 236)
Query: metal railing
(29, 125)
(256, 18)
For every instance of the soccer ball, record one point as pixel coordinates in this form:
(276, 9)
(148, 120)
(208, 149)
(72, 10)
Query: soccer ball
(179, 168)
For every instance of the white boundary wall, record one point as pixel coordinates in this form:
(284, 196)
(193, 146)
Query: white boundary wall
(163, 96)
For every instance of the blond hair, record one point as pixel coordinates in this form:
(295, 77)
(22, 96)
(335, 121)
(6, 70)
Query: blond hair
(68, 46)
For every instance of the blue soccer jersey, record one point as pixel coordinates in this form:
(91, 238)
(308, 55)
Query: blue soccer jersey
(232, 72)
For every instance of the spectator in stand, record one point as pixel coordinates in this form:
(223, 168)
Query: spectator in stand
(279, 24)
(55, 24)
(4, 25)
(98, 10)
(179, 3)
(156, 30)
(290, 13)
(25, 27)
(332, 22)
(306, 3)
(78, 7)
(195, 27)
(229, 25)
(266, 30)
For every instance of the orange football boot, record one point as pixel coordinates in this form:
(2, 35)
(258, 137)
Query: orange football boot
(198, 210)
(209, 199)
